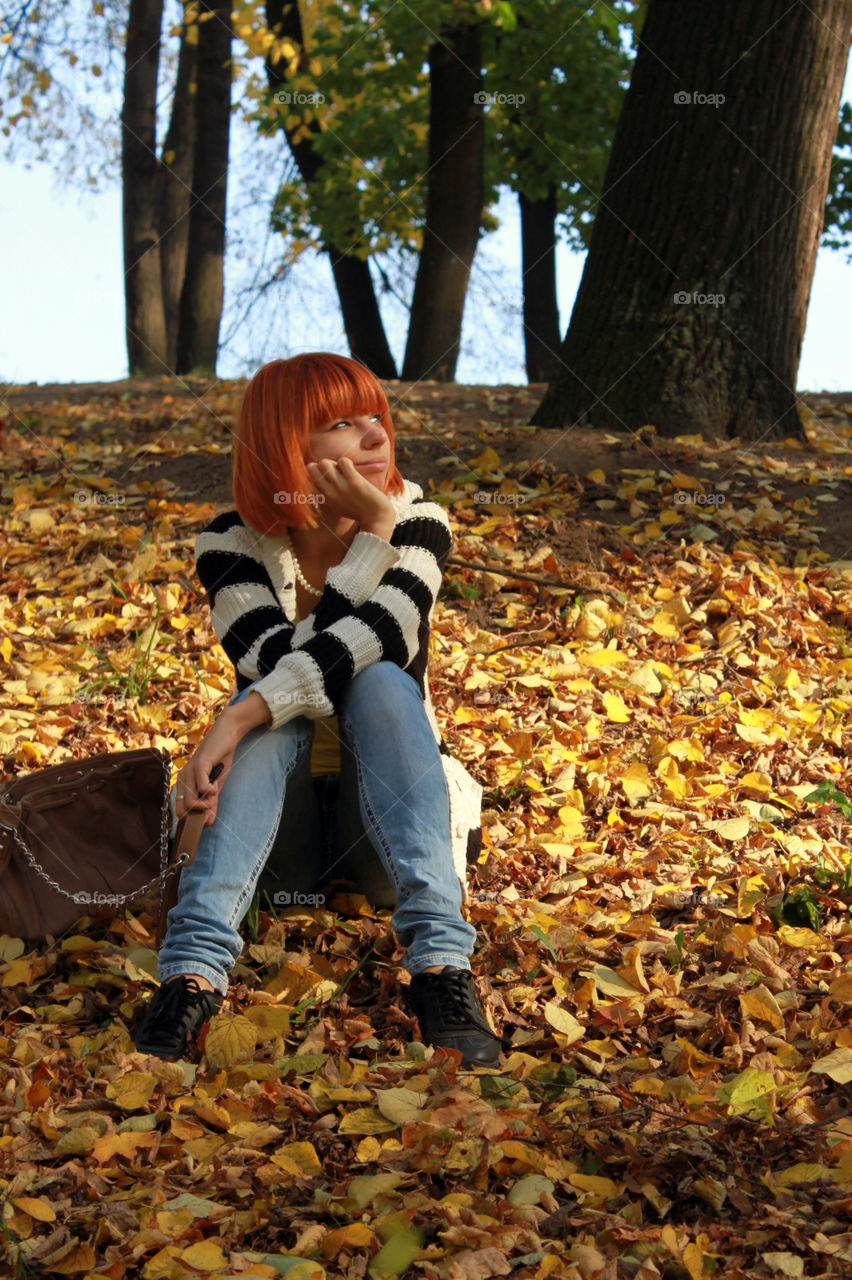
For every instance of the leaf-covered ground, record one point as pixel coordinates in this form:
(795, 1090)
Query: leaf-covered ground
(649, 671)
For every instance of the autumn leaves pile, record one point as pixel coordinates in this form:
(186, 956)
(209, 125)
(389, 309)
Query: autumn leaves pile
(663, 911)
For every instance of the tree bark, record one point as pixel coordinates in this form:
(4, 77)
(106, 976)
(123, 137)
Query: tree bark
(718, 203)
(455, 193)
(203, 287)
(362, 320)
(176, 174)
(145, 321)
(538, 268)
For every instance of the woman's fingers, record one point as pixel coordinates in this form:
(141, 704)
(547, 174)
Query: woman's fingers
(341, 488)
(193, 788)
(326, 471)
(327, 482)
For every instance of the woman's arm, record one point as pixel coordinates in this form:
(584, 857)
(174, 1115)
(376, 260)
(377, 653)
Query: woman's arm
(193, 788)
(385, 628)
(309, 678)
(246, 614)
(243, 606)
(425, 527)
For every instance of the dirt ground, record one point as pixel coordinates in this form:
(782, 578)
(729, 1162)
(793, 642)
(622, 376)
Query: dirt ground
(440, 427)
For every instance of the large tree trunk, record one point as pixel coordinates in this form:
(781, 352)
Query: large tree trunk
(707, 202)
(362, 319)
(203, 287)
(176, 182)
(359, 308)
(145, 319)
(538, 268)
(455, 192)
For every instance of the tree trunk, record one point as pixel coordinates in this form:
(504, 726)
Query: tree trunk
(454, 197)
(145, 321)
(362, 319)
(692, 306)
(538, 267)
(359, 308)
(176, 182)
(203, 287)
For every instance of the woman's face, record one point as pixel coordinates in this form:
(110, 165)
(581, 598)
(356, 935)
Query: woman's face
(363, 439)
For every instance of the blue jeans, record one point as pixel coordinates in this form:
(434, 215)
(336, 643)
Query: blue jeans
(391, 835)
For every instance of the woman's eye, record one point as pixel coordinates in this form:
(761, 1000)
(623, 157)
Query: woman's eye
(344, 422)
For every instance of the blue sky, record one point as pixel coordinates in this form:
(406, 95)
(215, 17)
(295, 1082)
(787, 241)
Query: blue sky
(64, 312)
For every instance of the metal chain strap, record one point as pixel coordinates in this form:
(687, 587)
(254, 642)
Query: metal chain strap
(118, 899)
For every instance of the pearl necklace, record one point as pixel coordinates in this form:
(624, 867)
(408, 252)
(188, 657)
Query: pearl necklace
(300, 577)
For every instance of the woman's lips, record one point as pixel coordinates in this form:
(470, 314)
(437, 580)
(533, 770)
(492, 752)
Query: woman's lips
(372, 466)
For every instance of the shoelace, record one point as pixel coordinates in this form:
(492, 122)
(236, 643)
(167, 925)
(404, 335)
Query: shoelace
(453, 993)
(177, 998)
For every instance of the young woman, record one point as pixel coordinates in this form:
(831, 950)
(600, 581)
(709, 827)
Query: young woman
(321, 586)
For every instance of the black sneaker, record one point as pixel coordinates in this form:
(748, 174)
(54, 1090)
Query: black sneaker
(178, 1010)
(451, 1017)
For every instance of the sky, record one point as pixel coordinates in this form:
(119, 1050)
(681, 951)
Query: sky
(63, 317)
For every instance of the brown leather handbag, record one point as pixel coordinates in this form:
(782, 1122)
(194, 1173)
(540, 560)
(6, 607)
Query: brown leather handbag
(85, 837)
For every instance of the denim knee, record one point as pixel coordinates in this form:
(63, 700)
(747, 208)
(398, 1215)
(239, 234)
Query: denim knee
(377, 682)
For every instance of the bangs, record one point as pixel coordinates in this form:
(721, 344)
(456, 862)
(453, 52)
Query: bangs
(340, 391)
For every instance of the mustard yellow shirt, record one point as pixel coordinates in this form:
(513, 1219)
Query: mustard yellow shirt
(325, 755)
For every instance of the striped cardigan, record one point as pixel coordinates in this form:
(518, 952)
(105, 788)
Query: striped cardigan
(376, 606)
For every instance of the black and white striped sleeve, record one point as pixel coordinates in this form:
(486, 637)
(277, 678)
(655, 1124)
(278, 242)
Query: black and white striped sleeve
(247, 617)
(246, 614)
(424, 527)
(384, 628)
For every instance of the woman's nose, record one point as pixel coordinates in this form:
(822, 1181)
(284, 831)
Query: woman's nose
(375, 435)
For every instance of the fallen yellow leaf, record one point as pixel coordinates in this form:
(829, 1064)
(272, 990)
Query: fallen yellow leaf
(565, 1023)
(36, 1208)
(400, 1105)
(616, 709)
(206, 1255)
(298, 1158)
(806, 938)
(599, 1188)
(837, 1064)
(731, 828)
(230, 1040)
(133, 1089)
(760, 1003)
(357, 1235)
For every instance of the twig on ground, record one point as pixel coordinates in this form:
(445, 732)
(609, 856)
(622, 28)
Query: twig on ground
(528, 577)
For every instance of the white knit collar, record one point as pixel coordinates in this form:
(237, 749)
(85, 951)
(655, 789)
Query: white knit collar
(412, 492)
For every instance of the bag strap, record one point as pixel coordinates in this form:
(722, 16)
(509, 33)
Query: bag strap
(10, 815)
(84, 898)
(186, 839)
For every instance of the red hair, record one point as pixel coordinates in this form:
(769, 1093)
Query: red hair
(283, 403)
